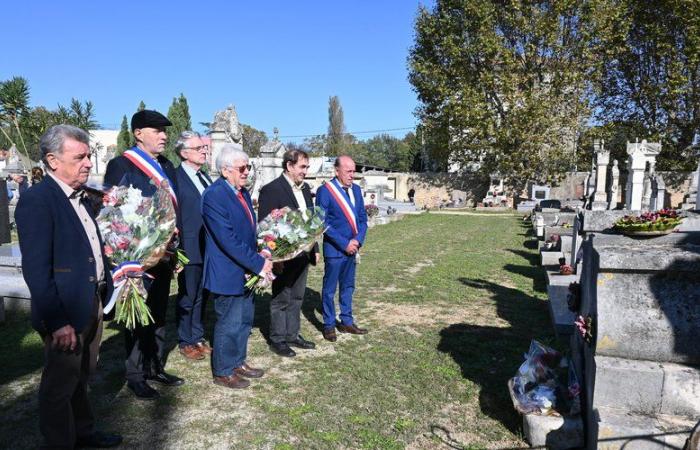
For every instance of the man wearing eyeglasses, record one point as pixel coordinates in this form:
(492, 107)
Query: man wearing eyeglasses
(289, 190)
(143, 167)
(191, 182)
(230, 254)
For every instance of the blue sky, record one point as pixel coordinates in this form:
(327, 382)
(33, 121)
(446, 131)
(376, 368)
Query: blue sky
(277, 61)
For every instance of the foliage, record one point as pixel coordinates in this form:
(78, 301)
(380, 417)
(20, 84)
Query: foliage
(141, 106)
(501, 84)
(253, 139)
(336, 127)
(125, 139)
(647, 62)
(384, 151)
(179, 115)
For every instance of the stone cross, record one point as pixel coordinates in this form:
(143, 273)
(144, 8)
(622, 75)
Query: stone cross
(639, 154)
(602, 160)
(614, 185)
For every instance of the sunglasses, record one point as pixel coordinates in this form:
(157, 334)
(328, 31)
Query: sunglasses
(242, 169)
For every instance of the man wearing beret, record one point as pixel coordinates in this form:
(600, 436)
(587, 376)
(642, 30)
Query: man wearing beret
(143, 167)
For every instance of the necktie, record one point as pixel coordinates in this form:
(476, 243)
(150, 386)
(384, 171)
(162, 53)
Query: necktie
(202, 179)
(346, 191)
(78, 193)
(245, 206)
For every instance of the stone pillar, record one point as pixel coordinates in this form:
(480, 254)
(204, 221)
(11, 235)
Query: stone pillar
(639, 154)
(658, 195)
(5, 235)
(614, 186)
(602, 160)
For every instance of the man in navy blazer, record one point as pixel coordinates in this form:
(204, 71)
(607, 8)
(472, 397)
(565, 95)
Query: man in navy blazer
(289, 190)
(230, 254)
(68, 277)
(191, 183)
(139, 167)
(346, 220)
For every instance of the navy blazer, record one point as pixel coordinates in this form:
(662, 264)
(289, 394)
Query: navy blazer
(122, 172)
(190, 224)
(276, 195)
(57, 260)
(339, 232)
(231, 246)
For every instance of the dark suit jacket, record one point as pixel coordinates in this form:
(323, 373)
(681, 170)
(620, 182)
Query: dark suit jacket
(339, 232)
(121, 172)
(57, 260)
(277, 194)
(192, 234)
(231, 245)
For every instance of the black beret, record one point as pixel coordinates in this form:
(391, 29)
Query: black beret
(149, 119)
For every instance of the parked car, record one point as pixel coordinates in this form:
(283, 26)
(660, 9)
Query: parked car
(550, 203)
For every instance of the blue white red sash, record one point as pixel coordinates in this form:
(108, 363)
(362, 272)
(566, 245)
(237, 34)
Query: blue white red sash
(152, 169)
(120, 274)
(344, 205)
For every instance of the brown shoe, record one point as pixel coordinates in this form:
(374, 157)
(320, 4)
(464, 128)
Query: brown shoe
(191, 352)
(329, 334)
(232, 381)
(204, 348)
(352, 329)
(249, 372)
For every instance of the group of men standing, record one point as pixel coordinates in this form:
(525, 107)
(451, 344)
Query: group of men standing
(68, 275)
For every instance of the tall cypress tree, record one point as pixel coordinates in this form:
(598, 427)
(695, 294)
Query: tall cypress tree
(124, 139)
(141, 107)
(179, 115)
(336, 127)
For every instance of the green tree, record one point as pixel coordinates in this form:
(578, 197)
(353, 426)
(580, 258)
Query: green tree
(14, 108)
(253, 139)
(647, 67)
(179, 115)
(336, 127)
(141, 106)
(124, 140)
(502, 85)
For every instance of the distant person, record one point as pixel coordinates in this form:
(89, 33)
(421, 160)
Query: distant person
(67, 274)
(230, 254)
(411, 194)
(22, 184)
(37, 175)
(346, 220)
(191, 182)
(289, 190)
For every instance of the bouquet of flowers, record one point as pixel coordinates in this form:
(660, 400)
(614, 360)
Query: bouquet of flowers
(137, 232)
(283, 235)
(653, 221)
(371, 210)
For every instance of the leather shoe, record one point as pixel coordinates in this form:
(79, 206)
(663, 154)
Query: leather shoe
(192, 352)
(282, 349)
(166, 379)
(352, 329)
(232, 381)
(98, 439)
(249, 372)
(203, 347)
(300, 342)
(142, 390)
(329, 334)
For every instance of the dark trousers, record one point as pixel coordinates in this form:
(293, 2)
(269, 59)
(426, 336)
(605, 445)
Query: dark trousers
(287, 297)
(234, 319)
(190, 305)
(338, 272)
(145, 346)
(64, 409)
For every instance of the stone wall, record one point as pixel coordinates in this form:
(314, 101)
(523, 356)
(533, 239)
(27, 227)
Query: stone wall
(436, 189)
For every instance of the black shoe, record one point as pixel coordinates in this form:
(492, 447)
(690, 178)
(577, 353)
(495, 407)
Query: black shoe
(282, 349)
(99, 440)
(142, 390)
(300, 342)
(166, 379)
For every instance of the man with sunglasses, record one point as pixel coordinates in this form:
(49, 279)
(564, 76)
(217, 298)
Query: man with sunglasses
(191, 182)
(289, 190)
(143, 167)
(231, 254)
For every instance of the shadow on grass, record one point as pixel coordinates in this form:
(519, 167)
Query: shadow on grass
(488, 355)
(21, 351)
(532, 244)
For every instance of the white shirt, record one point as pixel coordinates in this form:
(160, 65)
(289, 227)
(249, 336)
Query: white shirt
(298, 193)
(192, 173)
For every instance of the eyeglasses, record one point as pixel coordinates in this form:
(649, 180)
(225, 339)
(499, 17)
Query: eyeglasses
(201, 148)
(242, 169)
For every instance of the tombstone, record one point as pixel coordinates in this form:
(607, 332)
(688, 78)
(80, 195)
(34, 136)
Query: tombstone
(614, 185)
(539, 192)
(269, 164)
(639, 154)
(658, 192)
(646, 188)
(225, 129)
(602, 160)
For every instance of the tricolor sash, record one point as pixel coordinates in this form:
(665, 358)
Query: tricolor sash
(120, 274)
(344, 205)
(152, 169)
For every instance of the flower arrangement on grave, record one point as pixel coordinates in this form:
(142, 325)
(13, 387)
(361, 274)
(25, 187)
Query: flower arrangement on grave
(137, 232)
(283, 235)
(553, 242)
(566, 269)
(658, 222)
(371, 210)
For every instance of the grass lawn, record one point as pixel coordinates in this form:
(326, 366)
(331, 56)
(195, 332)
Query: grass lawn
(451, 303)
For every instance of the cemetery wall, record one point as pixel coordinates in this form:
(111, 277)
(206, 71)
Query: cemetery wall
(435, 189)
